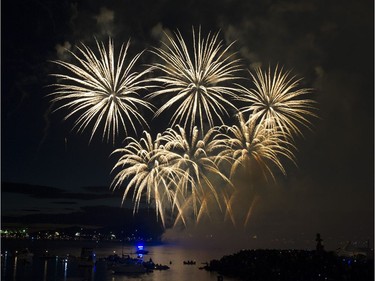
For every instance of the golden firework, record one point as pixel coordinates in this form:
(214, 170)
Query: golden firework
(101, 89)
(198, 81)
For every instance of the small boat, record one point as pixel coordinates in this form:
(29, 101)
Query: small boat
(205, 266)
(161, 267)
(126, 264)
(150, 265)
(189, 262)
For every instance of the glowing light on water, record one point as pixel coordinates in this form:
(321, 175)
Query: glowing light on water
(65, 268)
(15, 267)
(45, 271)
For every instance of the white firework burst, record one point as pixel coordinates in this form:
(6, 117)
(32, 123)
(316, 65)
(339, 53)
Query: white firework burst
(145, 167)
(277, 102)
(102, 89)
(199, 84)
(252, 141)
(192, 155)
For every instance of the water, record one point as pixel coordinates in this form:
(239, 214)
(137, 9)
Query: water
(14, 269)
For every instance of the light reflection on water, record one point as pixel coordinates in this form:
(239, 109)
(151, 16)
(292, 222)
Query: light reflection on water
(15, 268)
(68, 270)
(45, 271)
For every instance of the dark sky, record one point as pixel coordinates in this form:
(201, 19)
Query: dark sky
(328, 43)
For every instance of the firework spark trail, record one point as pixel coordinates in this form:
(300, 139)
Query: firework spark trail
(101, 90)
(191, 154)
(175, 171)
(254, 141)
(277, 102)
(146, 164)
(251, 208)
(245, 145)
(198, 83)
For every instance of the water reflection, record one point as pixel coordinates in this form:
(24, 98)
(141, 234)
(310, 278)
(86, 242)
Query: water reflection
(45, 271)
(4, 263)
(61, 268)
(65, 269)
(15, 268)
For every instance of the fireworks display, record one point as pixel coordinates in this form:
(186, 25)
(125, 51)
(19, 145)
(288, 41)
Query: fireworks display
(197, 81)
(146, 164)
(187, 170)
(276, 102)
(196, 157)
(251, 141)
(101, 90)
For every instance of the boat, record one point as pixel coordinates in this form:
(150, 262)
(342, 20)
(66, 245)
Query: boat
(161, 267)
(150, 265)
(189, 262)
(126, 264)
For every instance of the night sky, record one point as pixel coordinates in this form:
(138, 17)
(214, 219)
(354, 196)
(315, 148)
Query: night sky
(49, 171)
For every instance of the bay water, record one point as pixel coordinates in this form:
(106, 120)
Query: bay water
(60, 269)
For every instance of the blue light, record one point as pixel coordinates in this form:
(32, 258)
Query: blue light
(140, 247)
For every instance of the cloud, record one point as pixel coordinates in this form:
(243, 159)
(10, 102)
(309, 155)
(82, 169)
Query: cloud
(65, 202)
(94, 216)
(294, 7)
(31, 210)
(46, 192)
(159, 33)
(34, 190)
(62, 50)
(105, 16)
(96, 189)
(105, 20)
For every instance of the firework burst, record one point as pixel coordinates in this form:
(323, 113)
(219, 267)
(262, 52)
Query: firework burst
(99, 89)
(276, 102)
(254, 148)
(145, 167)
(183, 168)
(197, 83)
(252, 141)
(191, 154)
